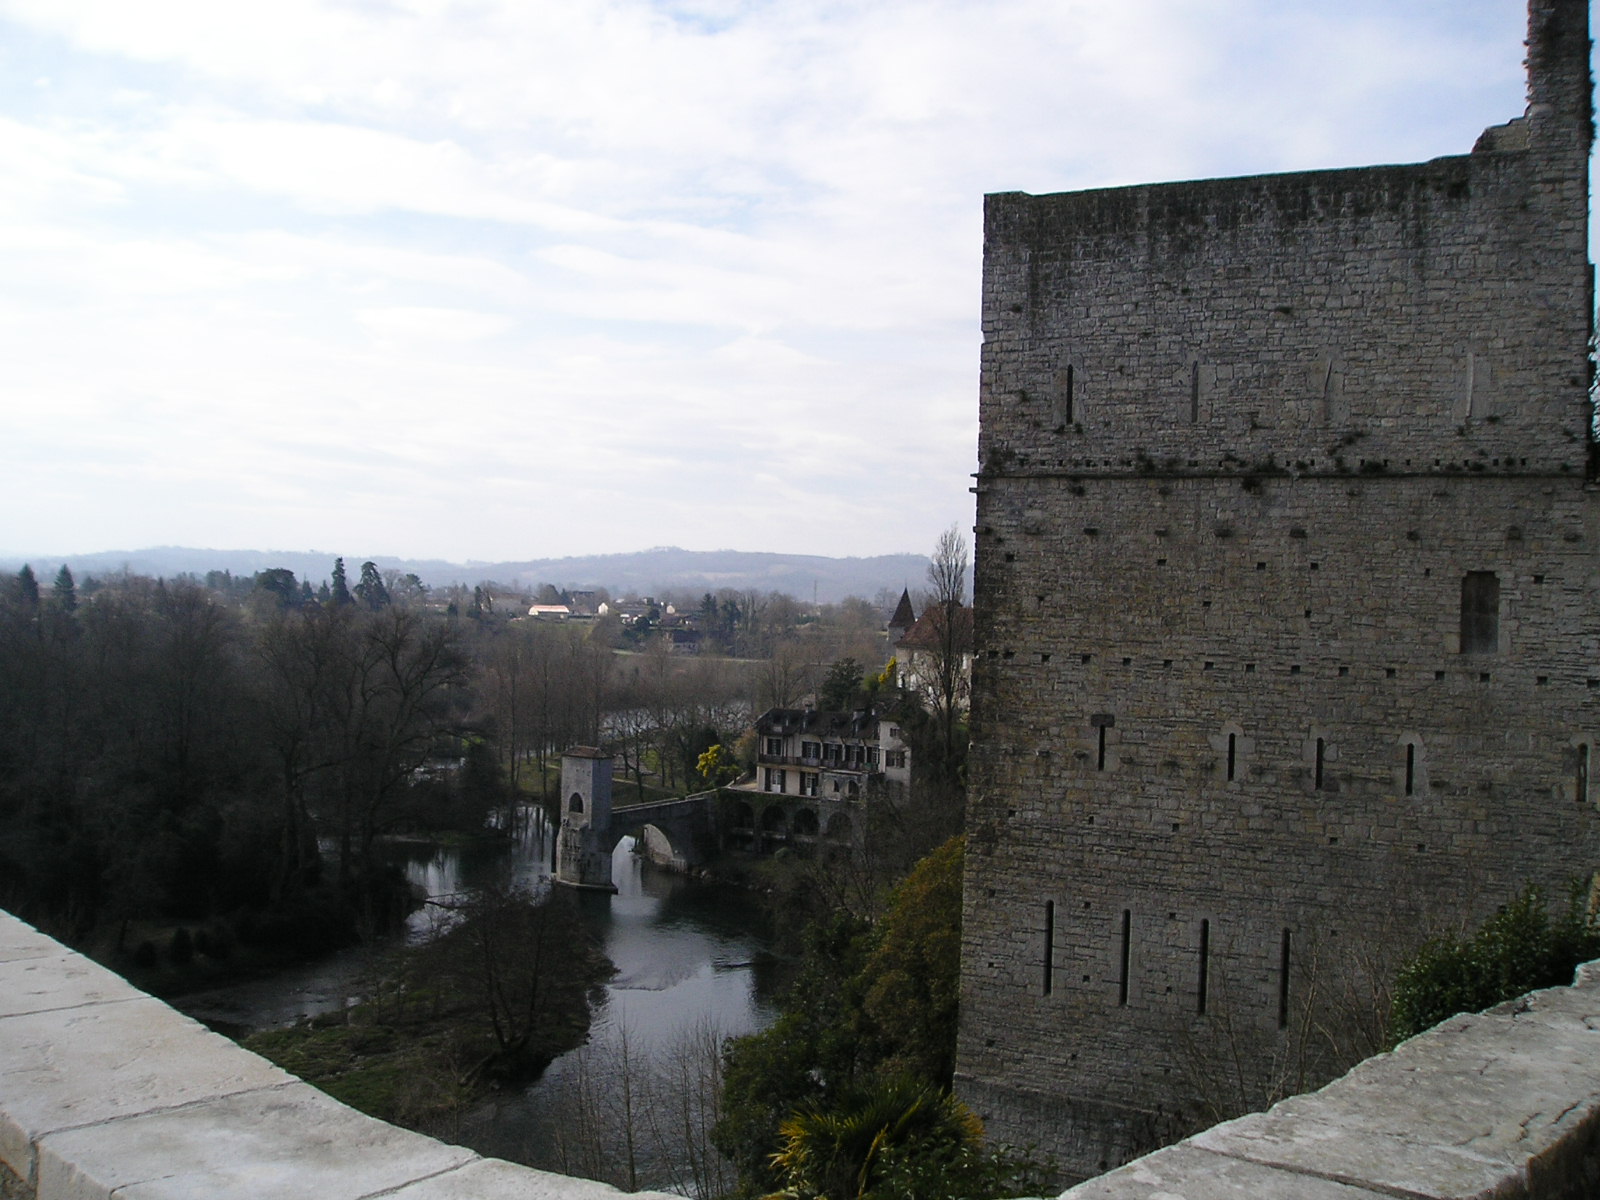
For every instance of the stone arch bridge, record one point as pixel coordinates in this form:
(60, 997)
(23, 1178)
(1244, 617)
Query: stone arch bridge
(686, 831)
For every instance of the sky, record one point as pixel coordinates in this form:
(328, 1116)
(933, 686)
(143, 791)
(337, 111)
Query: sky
(507, 279)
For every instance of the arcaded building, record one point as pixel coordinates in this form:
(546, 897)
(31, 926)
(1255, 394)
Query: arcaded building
(1287, 638)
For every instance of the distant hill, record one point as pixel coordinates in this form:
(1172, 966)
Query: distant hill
(646, 571)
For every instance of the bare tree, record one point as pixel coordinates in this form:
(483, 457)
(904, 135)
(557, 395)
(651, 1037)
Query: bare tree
(952, 634)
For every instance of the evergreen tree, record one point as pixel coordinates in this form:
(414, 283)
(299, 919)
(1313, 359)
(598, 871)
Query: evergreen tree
(65, 592)
(340, 593)
(280, 582)
(27, 587)
(370, 591)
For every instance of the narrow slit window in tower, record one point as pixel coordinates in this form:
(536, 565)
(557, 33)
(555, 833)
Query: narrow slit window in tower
(1583, 774)
(1068, 398)
(1049, 943)
(1322, 754)
(1194, 392)
(1283, 982)
(1411, 768)
(1122, 974)
(1233, 748)
(1100, 760)
(1205, 965)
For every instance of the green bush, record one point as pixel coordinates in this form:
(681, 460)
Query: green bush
(1517, 950)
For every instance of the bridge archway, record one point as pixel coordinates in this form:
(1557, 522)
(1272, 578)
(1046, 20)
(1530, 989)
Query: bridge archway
(742, 825)
(774, 827)
(656, 842)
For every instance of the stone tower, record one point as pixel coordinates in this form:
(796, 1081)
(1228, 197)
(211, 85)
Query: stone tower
(583, 847)
(1288, 644)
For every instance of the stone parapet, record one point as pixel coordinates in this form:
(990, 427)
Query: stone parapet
(105, 1090)
(1502, 1104)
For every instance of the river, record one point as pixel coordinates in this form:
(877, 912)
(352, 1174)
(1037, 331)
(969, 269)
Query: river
(632, 1107)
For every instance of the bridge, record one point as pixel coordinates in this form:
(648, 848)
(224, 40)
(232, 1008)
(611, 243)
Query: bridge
(592, 825)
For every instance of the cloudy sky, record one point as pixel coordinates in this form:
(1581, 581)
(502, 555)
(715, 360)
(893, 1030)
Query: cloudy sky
(505, 279)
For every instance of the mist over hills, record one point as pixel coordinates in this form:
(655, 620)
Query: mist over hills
(659, 569)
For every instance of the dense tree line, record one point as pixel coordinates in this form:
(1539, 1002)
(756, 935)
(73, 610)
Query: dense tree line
(170, 750)
(175, 749)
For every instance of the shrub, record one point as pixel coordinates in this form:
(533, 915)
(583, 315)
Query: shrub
(1517, 950)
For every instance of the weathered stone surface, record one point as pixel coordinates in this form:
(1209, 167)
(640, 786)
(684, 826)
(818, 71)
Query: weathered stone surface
(1468, 1109)
(77, 1066)
(283, 1143)
(63, 980)
(18, 940)
(491, 1179)
(1287, 613)
(1186, 1172)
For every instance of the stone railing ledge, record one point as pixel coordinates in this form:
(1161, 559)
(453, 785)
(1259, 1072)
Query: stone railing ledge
(1496, 1105)
(107, 1091)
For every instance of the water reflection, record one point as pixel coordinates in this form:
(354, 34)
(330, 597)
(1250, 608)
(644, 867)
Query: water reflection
(632, 1107)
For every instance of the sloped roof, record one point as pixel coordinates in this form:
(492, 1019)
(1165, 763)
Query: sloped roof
(928, 632)
(904, 615)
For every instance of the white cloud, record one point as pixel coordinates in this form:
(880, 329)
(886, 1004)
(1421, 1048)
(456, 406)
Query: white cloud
(539, 278)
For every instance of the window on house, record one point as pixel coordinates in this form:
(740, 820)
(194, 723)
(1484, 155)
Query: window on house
(1480, 612)
(775, 747)
(811, 750)
(775, 779)
(895, 759)
(808, 784)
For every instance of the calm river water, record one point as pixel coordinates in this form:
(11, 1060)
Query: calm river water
(632, 1106)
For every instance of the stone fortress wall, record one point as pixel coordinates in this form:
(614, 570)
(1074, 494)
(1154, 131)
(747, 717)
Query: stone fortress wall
(1288, 644)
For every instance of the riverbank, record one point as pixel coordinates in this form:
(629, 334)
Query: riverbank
(488, 1004)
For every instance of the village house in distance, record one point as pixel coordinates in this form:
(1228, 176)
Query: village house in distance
(1287, 635)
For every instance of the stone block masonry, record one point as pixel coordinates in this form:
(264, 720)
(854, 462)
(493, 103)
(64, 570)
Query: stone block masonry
(1288, 633)
(106, 1091)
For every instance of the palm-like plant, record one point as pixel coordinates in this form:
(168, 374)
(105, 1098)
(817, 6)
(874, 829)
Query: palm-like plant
(838, 1153)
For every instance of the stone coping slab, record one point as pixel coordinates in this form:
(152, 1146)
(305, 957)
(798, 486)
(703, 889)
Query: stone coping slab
(63, 1068)
(59, 980)
(107, 1091)
(21, 940)
(1186, 1172)
(279, 1144)
(1463, 1110)
(492, 1179)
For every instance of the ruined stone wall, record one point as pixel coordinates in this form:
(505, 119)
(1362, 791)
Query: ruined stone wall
(1242, 443)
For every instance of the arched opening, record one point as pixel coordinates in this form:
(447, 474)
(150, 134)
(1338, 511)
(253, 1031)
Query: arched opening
(805, 823)
(575, 804)
(839, 828)
(774, 827)
(742, 832)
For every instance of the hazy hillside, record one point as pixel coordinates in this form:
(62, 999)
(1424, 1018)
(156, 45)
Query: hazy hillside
(647, 571)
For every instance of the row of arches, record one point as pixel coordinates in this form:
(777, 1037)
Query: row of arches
(778, 825)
